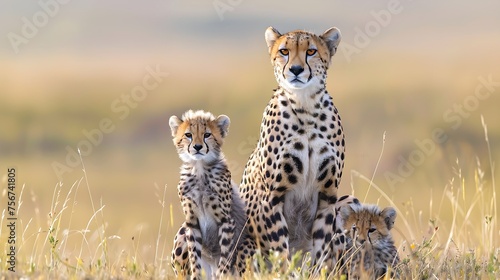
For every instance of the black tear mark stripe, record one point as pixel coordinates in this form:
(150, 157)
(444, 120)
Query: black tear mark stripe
(308, 66)
(284, 66)
(206, 144)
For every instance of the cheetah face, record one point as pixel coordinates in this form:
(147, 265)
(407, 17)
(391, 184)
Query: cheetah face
(367, 223)
(301, 58)
(199, 136)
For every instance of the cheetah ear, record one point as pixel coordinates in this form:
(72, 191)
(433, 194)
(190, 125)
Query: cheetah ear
(222, 122)
(332, 39)
(345, 212)
(271, 36)
(174, 123)
(389, 214)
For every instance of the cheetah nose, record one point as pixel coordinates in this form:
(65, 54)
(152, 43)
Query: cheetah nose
(197, 147)
(296, 69)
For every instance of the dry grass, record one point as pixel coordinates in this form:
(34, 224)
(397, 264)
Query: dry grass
(464, 245)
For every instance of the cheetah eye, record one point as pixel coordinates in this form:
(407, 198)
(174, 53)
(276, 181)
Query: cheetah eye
(311, 52)
(188, 135)
(284, 51)
(372, 230)
(206, 135)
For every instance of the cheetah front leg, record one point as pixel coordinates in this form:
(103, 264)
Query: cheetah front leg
(324, 224)
(245, 252)
(226, 233)
(180, 255)
(193, 237)
(323, 235)
(226, 225)
(276, 226)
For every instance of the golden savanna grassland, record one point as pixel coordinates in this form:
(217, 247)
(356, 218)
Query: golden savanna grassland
(417, 85)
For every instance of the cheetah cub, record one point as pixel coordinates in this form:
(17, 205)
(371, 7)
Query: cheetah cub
(214, 215)
(370, 248)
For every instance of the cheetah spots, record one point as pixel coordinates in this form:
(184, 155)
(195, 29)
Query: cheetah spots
(281, 189)
(298, 146)
(328, 238)
(269, 223)
(329, 219)
(318, 254)
(274, 236)
(324, 163)
(277, 200)
(322, 176)
(328, 184)
(178, 251)
(339, 240)
(298, 163)
(277, 216)
(323, 150)
(329, 199)
(344, 197)
(225, 242)
(319, 234)
(182, 231)
(300, 111)
(278, 178)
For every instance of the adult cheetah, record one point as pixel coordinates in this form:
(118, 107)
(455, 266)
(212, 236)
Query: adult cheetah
(290, 181)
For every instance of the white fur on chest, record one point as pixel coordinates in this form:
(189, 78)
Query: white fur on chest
(200, 194)
(301, 201)
(306, 190)
(310, 155)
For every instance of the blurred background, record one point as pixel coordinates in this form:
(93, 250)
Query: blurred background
(106, 76)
